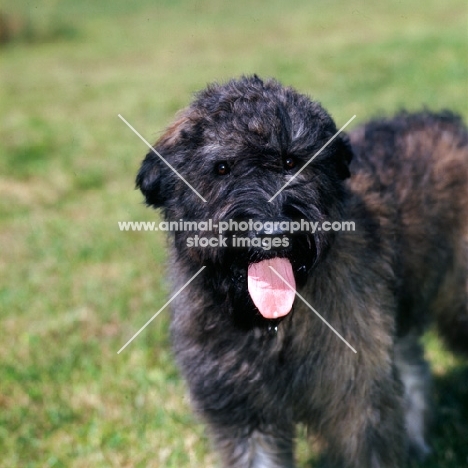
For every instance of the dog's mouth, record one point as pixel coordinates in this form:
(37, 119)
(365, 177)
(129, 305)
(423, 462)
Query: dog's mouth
(272, 278)
(272, 286)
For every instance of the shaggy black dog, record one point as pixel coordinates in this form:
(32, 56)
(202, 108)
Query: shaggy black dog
(258, 359)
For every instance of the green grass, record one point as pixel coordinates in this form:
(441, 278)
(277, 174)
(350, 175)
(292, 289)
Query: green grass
(73, 288)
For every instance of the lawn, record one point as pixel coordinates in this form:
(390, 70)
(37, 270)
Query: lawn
(74, 288)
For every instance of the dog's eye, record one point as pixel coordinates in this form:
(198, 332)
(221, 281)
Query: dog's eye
(222, 168)
(289, 162)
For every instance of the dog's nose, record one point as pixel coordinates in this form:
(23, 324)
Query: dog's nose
(274, 239)
(270, 232)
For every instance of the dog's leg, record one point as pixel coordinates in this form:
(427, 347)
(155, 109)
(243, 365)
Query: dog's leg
(366, 430)
(415, 375)
(257, 450)
(451, 305)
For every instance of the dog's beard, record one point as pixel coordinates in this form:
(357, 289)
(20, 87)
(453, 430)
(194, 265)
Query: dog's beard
(258, 284)
(242, 280)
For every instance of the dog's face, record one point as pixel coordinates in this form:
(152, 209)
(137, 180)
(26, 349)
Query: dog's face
(237, 145)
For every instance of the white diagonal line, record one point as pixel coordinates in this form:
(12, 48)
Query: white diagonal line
(313, 310)
(161, 309)
(312, 158)
(160, 157)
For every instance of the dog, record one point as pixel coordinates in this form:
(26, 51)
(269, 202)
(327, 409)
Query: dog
(320, 328)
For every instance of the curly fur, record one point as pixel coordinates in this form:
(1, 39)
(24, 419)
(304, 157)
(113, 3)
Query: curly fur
(404, 181)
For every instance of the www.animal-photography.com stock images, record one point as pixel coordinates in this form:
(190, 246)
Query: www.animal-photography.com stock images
(234, 234)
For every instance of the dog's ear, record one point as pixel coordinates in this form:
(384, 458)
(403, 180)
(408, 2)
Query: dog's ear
(343, 156)
(149, 178)
(153, 170)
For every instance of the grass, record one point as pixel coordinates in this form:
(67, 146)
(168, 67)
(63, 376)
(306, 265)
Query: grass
(74, 288)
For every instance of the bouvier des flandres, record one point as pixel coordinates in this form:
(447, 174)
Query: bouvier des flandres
(257, 357)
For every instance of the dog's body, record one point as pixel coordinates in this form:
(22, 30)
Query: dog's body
(252, 376)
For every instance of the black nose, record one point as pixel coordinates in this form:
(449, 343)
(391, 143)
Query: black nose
(275, 232)
(274, 239)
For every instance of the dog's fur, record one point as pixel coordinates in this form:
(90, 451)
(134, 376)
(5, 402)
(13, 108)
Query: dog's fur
(253, 379)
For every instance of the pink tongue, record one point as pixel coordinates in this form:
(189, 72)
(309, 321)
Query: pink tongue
(268, 291)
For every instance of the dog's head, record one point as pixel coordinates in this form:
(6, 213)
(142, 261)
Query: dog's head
(237, 146)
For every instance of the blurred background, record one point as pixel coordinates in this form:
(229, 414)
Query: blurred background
(73, 288)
